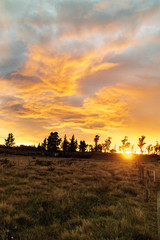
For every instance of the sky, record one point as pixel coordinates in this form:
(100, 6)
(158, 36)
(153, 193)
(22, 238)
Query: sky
(80, 67)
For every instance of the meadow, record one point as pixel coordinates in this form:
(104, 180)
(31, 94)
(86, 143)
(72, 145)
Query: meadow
(101, 197)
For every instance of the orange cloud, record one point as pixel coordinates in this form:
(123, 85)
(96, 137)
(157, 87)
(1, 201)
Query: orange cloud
(56, 72)
(60, 52)
(113, 111)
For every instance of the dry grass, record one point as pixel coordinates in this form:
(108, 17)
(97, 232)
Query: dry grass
(72, 199)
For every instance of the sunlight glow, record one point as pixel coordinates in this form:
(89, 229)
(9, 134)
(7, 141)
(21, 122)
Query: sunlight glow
(137, 152)
(24, 143)
(128, 152)
(128, 155)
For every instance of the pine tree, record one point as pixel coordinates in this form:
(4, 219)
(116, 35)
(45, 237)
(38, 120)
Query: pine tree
(44, 144)
(65, 144)
(53, 142)
(73, 144)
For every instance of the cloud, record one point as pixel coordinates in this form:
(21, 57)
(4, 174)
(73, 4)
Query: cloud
(79, 66)
(56, 72)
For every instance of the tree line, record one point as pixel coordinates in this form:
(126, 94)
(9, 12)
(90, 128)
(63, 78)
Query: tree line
(53, 143)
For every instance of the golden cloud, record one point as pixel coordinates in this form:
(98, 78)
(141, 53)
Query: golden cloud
(56, 72)
(114, 110)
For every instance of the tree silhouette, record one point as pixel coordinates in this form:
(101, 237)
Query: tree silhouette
(132, 148)
(96, 139)
(53, 142)
(39, 146)
(91, 149)
(83, 146)
(157, 148)
(10, 140)
(73, 144)
(107, 144)
(99, 148)
(44, 144)
(125, 144)
(113, 150)
(141, 143)
(120, 149)
(65, 144)
(149, 148)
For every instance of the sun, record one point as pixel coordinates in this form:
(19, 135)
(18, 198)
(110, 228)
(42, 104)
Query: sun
(128, 152)
(128, 155)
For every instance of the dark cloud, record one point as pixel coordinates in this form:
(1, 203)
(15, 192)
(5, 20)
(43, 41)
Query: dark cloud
(15, 60)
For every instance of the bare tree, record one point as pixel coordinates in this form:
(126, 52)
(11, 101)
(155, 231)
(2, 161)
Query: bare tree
(107, 144)
(83, 146)
(96, 139)
(157, 148)
(120, 149)
(132, 148)
(149, 148)
(141, 143)
(125, 144)
(91, 149)
(99, 148)
(10, 140)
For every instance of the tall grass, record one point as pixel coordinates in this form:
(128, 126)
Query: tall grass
(98, 198)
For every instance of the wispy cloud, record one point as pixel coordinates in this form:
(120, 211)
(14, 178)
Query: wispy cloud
(79, 66)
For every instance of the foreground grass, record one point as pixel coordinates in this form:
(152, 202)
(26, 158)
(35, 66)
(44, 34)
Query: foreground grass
(73, 199)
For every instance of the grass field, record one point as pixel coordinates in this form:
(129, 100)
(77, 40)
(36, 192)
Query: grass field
(72, 199)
